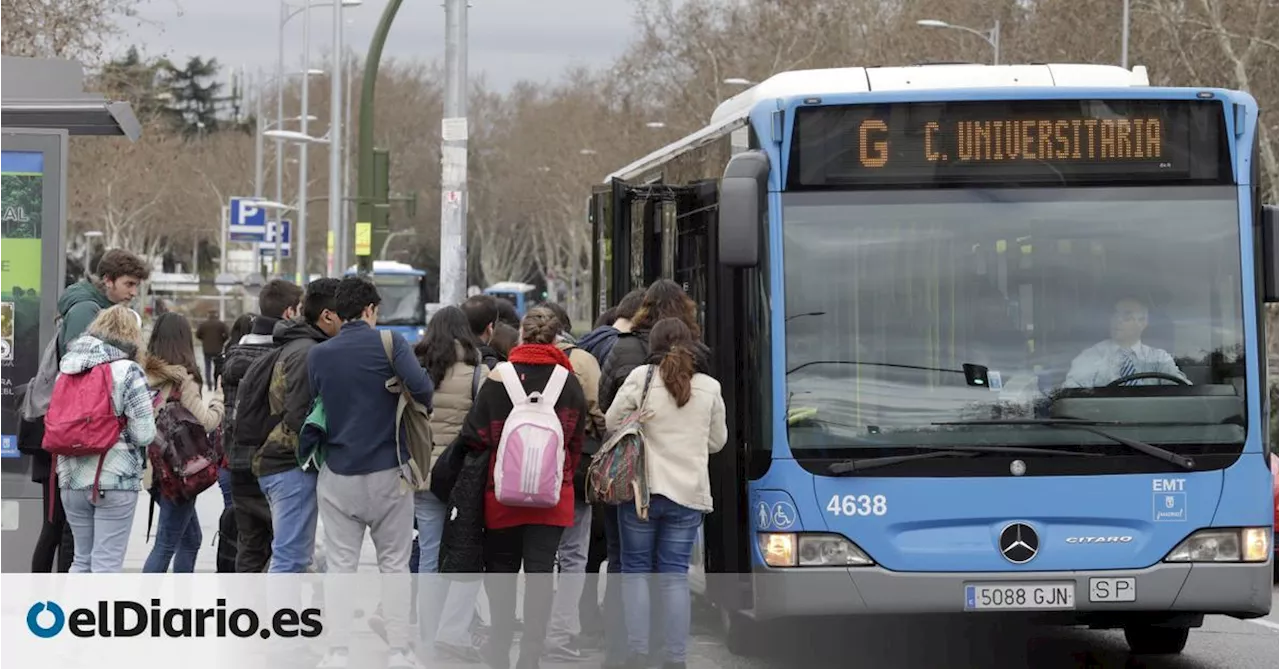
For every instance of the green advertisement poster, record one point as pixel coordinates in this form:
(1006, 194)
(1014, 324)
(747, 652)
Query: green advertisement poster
(22, 206)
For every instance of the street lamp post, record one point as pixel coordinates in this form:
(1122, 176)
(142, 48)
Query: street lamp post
(1124, 37)
(300, 247)
(285, 15)
(335, 131)
(992, 37)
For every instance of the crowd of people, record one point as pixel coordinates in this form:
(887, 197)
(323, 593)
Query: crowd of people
(295, 399)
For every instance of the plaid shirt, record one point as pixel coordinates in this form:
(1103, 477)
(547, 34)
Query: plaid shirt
(130, 397)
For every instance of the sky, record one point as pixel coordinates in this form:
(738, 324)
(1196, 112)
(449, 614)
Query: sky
(509, 40)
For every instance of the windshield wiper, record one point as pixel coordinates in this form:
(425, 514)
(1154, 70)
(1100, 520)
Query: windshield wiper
(1091, 426)
(850, 466)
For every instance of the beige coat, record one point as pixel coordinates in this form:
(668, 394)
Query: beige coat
(450, 404)
(163, 378)
(587, 370)
(679, 440)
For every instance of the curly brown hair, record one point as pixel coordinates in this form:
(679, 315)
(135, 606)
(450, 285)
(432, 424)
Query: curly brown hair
(673, 341)
(119, 262)
(666, 299)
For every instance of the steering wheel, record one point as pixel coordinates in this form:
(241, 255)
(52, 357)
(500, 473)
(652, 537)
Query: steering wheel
(1149, 375)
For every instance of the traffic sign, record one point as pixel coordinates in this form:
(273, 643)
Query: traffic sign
(268, 247)
(248, 221)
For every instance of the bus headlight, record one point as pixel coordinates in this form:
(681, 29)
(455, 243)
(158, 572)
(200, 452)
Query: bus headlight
(1245, 544)
(810, 550)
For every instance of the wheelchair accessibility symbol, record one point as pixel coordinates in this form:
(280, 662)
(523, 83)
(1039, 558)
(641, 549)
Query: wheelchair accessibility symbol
(784, 515)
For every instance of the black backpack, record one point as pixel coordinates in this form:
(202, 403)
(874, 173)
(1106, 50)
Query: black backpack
(253, 417)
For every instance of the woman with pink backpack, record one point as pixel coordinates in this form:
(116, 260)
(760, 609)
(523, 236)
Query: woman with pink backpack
(99, 425)
(530, 418)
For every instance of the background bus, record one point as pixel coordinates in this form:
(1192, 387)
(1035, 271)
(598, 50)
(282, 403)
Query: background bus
(517, 293)
(896, 268)
(404, 298)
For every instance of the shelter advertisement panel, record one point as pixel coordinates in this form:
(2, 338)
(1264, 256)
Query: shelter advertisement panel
(22, 194)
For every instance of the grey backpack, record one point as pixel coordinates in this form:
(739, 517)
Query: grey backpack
(35, 403)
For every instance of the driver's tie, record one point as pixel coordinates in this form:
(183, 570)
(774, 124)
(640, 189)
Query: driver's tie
(1128, 366)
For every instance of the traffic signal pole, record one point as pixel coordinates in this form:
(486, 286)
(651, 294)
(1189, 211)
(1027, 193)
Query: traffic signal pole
(367, 235)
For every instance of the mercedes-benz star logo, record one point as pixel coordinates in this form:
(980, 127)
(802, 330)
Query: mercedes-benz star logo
(1018, 543)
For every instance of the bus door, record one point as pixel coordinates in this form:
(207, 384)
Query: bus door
(726, 555)
(610, 215)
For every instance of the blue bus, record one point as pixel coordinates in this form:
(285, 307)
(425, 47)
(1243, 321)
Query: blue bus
(404, 298)
(989, 339)
(520, 295)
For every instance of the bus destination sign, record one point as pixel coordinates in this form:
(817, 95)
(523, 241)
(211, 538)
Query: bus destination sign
(1041, 142)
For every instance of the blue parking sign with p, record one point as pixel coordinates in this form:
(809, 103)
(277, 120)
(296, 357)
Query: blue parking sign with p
(248, 221)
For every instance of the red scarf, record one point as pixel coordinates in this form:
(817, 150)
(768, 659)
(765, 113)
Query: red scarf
(539, 354)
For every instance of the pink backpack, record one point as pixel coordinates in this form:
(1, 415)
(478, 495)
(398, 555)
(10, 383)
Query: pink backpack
(81, 421)
(529, 468)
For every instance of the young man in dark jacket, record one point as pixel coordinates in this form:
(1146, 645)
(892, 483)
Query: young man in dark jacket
(278, 300)
(291, 491)
(120, 274)
(482, 316)
(599, 342)
(361, 485)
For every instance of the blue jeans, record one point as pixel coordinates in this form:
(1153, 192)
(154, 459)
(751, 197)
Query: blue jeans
(445, 607)
(663, 545)
(224, 482)
(178, 538)
(101, 529)
(292, 497)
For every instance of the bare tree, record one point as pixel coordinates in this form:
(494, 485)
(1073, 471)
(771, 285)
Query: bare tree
(75, 29)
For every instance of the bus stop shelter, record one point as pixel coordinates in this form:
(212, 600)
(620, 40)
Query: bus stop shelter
(43, 103)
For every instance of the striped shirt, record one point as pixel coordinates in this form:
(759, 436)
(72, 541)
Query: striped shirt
(1103, 363)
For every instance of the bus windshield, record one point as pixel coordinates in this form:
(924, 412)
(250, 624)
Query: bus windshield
(908, 309)
(402, 302)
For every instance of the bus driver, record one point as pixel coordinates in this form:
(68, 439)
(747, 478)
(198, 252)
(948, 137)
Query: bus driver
(1123, 354)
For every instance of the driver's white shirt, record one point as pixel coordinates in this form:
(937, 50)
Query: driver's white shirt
(1100, 364)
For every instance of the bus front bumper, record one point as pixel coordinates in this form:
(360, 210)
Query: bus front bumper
(1240, 590)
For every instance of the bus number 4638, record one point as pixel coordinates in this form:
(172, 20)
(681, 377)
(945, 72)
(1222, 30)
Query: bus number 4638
(857, 505)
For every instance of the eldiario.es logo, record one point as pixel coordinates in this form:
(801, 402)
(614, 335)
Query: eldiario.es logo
(123, 618)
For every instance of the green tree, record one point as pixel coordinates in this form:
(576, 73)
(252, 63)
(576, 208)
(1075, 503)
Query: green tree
(195, 96)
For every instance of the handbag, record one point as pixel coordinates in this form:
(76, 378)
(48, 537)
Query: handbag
(618, 474)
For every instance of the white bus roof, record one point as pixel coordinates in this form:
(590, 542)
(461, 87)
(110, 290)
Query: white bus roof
(732, 113)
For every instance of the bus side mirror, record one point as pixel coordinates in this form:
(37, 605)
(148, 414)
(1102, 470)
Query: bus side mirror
(743, 201)
(1270, 238)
